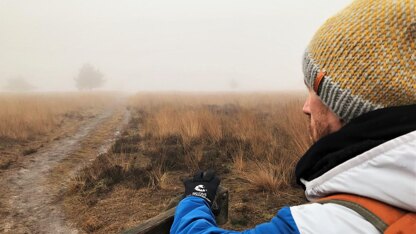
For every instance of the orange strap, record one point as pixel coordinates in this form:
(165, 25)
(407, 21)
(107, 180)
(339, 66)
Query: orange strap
(407, 224)
(318, 80)
(385, 218)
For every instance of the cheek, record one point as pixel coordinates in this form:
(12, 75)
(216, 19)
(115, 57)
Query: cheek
(319, 125)
(312, 121)
(313, 125)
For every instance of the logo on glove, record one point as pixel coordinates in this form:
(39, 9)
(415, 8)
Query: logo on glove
(200, 188)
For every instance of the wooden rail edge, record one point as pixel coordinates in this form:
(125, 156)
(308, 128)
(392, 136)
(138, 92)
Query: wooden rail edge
(161, 223)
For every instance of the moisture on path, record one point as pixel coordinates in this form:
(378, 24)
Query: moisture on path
(33, 204)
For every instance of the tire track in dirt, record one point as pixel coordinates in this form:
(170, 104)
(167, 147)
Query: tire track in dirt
(34, 206)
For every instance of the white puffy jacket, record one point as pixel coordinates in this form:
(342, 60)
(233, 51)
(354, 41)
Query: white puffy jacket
(386, 173)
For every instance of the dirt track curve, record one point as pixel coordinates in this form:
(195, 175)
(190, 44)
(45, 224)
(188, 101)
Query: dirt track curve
(34, 200)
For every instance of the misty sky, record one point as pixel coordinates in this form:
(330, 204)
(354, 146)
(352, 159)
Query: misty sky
(160, 44)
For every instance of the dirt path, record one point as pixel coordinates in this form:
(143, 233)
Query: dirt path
(32, 199)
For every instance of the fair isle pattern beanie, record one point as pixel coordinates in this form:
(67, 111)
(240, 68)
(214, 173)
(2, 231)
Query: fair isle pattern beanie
(364, 58)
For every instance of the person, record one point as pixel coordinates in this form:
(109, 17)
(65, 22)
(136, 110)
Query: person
(360, 72)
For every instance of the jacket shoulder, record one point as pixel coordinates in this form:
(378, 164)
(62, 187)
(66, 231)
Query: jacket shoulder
(329, 218)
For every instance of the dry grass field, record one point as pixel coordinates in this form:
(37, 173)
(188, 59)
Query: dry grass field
(29, 121)
(252, 140)
(25, 116)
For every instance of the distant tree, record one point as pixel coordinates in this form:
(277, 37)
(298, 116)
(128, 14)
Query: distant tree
(89, 78)
(19, 84)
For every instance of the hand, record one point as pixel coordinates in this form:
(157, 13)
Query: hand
(203, 184)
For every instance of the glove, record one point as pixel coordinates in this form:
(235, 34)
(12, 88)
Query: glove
(203, 184)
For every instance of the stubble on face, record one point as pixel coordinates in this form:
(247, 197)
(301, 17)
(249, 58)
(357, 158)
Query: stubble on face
(318, 126)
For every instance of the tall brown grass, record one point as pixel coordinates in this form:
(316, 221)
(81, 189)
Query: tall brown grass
(253, 140)
(23, 116)
(268, 132)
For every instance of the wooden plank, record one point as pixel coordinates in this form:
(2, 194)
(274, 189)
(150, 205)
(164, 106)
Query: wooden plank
(161, 223)
(158, 224)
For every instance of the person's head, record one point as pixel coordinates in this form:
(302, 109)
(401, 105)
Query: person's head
(360, 60)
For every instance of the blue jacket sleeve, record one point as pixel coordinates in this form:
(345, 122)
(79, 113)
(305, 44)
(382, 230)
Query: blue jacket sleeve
(193, 216)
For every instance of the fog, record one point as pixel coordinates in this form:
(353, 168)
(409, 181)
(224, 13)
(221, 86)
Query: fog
(189, 45)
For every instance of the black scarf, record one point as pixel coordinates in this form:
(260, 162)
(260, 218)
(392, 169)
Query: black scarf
(359, 135)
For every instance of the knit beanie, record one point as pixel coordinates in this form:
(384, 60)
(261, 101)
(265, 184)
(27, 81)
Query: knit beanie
(364, 58)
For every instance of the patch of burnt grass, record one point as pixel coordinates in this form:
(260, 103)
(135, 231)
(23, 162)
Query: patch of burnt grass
(5, 163)
(172, 140)
(74, 115)
(167, 152)
(135, 121)
(126, 144)
(8, 142)
(171, 157)
(29, 151)
(110, 170)
(137, 178)
(173, 154)
(242, 216)
(213, 158)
